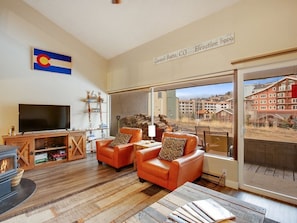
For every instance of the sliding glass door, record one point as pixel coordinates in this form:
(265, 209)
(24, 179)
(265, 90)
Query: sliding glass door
(268, 129)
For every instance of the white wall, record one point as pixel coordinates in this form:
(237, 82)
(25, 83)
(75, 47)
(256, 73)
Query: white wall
(214, 166)
(22, 28)
(259, 27)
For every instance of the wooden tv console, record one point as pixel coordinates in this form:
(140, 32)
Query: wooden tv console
(46, 148)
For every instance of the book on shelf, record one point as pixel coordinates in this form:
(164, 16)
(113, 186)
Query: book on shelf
(202, 211)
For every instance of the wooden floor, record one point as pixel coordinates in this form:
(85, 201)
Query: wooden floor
(83, 191)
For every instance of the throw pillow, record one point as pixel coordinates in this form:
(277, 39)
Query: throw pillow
(172, 148)
(121, 138)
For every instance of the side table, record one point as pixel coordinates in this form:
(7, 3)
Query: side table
(142, 145)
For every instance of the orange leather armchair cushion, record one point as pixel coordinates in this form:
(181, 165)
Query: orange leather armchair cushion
(120, 155)
(171, 174)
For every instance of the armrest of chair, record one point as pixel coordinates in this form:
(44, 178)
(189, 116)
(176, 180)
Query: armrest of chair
(191, 157)
(123, 147)
(188, 159)
(147, 154)
(187, 167)
(103, 142)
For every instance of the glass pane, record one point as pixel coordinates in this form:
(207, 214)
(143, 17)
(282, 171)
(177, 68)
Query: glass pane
(6, 164)
(203, 110)
(270, 134)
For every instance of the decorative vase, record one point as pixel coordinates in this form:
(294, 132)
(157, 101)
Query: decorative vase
(17, 179)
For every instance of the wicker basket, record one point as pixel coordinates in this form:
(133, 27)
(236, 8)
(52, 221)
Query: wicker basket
(17, 179)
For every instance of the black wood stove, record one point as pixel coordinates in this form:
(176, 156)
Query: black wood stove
(8, 169)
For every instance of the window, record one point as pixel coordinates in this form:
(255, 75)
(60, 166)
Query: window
(271, 102)
(289, 87)
(208, 104)
(272, 95)
(280, 95)
(282, 87)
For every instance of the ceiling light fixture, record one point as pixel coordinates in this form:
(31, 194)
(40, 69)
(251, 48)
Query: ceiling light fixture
(116, 1)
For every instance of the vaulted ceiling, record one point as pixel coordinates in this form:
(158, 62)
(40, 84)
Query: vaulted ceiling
(112, 29)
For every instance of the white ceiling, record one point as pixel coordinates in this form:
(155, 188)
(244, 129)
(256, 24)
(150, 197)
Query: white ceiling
(112, 29)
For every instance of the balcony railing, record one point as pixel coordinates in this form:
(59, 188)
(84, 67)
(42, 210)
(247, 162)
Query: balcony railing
(281, 155)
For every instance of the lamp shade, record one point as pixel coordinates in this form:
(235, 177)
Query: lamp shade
(151, 130)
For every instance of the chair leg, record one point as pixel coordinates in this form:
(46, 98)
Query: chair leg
(141, 180)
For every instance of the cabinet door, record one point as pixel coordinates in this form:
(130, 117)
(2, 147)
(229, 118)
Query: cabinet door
(25, 151)
(76, 145)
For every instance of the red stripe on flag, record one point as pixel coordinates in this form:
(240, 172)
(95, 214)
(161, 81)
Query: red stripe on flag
(43, 60)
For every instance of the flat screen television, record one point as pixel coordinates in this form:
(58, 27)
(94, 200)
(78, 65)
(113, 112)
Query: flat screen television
(37, 117)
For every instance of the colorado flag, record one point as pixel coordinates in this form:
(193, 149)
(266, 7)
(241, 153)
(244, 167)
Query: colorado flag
(53, 62)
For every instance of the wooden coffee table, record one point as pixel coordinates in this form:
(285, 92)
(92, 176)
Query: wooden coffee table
(142, 145)
(158, 211)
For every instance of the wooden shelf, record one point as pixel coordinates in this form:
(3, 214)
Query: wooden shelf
(50, 162)
(97, 129)
(91, 100)
(50, 149)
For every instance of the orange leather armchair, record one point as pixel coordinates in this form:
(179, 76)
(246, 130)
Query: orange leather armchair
(119, 155)
(171, 174)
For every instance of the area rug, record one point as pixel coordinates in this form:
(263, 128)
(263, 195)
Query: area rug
(23, 191)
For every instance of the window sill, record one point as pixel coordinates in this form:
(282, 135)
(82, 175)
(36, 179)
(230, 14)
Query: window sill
(218, 156)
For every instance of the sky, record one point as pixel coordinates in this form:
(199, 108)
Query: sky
(216, 89)
(204, 91)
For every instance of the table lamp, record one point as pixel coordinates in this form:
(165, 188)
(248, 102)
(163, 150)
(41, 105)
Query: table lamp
(152, 132)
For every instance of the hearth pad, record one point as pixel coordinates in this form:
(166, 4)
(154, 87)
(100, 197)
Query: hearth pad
(23, 191)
